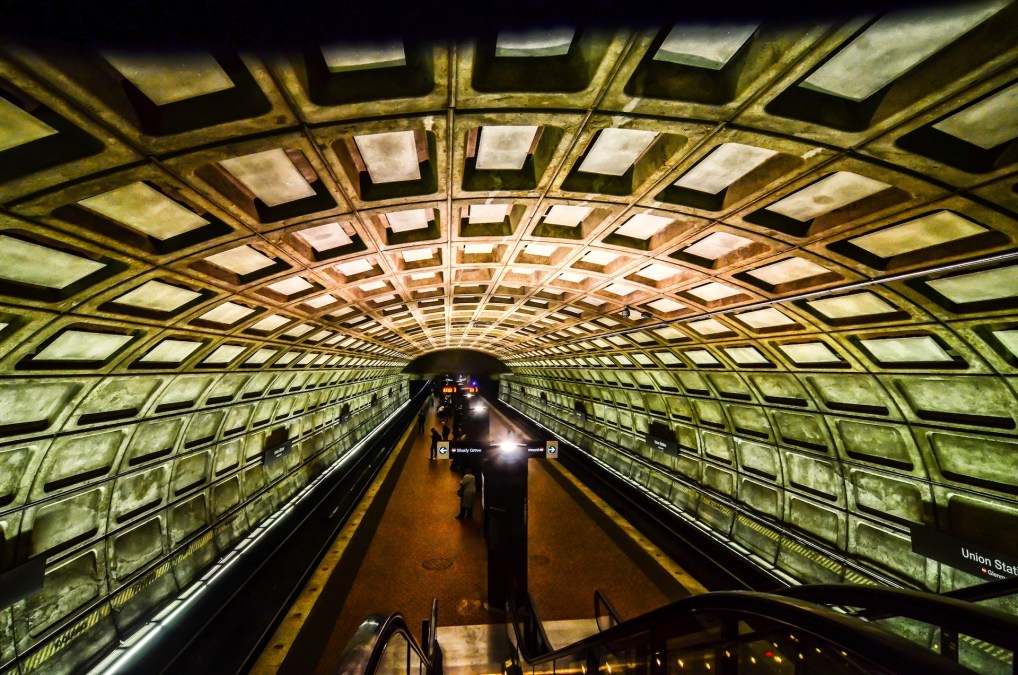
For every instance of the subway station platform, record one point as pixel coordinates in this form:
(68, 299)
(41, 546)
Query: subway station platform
(416, 551)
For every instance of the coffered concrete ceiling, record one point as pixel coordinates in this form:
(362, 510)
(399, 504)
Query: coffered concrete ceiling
(703, 226)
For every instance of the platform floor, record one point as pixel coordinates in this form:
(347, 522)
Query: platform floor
(420, 551)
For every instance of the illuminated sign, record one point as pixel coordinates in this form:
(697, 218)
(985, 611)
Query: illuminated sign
(532, 449)
(963, 555)
(448, 390)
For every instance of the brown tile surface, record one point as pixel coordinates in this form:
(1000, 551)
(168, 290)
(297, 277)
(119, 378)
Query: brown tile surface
(420, 551)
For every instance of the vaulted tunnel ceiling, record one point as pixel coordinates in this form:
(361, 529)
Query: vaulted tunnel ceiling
(388, 202)
(197, 247)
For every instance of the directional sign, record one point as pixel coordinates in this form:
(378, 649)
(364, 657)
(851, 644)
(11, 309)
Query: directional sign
(530, 449)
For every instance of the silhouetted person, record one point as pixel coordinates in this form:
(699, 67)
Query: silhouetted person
(420, 423)
(435, 438)
(468, 488)
(445, 432)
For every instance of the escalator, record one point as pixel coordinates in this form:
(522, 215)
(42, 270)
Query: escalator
(831, 629)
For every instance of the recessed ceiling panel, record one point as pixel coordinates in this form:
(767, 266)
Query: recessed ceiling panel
(704, 45)
(341, 58)
(146, 210)
(270, 323)
(995, 284)
(223, 355)
(290, 286)
(321, 301)
(227, 313)
(767, 317)
(718, 244)
(924, 232)
(29, 263)
(657, 272)
(325, 237)
(616, 150)
(786, 271)
(271, 176)
(852, 305)
(241, 260)
(709, 327)
(726, 164)
(809, 352)
(170, 351)
(553, 42)
(170, 78)
(390, 157)
(836, 190)
(665, 305)
(566, 216)
(713, 291)
(504, 147)
(643, 226)
(157, 296)
(18, 127)
(407, 221)
(487, 213)
(893, 45)
(78, 345)
(746, 356)
(988, 123)
(918, 349)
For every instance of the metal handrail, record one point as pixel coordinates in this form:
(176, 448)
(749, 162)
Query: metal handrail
(366, 647)
(601, 600)
(882, 648)
(989, 590)
(950, 614)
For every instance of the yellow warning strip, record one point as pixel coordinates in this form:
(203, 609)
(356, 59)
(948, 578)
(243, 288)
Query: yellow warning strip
(681, 576)
(271, 659)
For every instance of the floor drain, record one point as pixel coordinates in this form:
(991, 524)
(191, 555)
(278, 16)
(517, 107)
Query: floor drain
(538, 560)
(437, 563)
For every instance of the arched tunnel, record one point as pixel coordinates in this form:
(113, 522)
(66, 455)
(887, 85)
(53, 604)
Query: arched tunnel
(787, 248)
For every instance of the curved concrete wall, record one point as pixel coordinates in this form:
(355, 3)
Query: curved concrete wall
(131, 486)
(816, 471)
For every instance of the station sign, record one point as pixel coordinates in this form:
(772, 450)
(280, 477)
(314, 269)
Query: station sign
(963, 555)
(532, 449)
(276, 452)
(662, 444)
(449, 389)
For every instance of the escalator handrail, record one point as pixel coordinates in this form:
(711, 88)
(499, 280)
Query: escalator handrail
(601, 600)
(989, 590)
(432, 638)
(368, 643)
(872, 643)
(983, 623)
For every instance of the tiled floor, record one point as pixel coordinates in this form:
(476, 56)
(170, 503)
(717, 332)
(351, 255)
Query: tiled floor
(420, 552)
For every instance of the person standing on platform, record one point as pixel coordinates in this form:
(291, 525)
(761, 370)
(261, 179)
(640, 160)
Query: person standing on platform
(445, 432)
(435, 438)
(468, 488)
(420, 423)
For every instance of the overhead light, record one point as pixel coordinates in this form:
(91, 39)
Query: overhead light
(625, 313)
